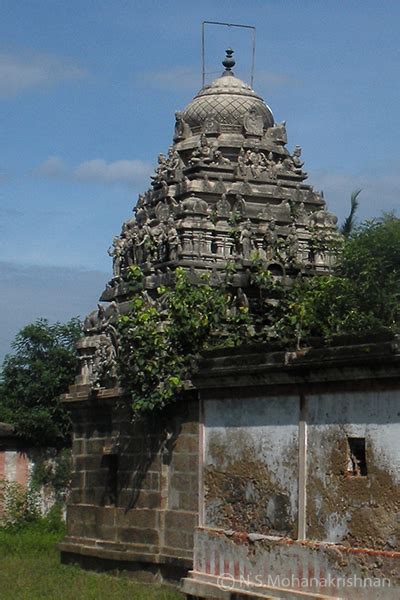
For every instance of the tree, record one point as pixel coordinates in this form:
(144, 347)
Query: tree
(348, 225)
(363, 292)
(42, 367)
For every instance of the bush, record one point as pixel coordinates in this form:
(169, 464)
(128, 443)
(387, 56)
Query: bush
(18, 504)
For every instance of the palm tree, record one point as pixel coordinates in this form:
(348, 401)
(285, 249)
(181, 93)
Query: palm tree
(348, 224)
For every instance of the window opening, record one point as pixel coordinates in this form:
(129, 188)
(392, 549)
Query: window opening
(357, 461)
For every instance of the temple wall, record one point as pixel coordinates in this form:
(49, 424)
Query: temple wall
(134, 490)
(251, 470)
(251, 463)
(343, 508)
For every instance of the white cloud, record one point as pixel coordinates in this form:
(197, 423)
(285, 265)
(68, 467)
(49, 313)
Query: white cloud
(120, 171)
(131, 172)
(54, 166)
(20, 73)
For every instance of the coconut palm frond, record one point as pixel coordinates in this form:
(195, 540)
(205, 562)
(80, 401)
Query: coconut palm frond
(348, 224)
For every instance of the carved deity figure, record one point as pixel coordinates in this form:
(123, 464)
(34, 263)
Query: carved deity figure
(292, 245)
(203, 153)
(173, 163)
(285, 209)
(219, 187)
(162, 210)
(174, 244)
(297, 162)
(211, 124)
(270, 242)
(241, 169)
(246, 243)
(253, 123)
(182, 129)
(223, 207)
(149, 245)
(159, 246)
(239, 206)
(116, 251)
(206, 184)
(220, 160)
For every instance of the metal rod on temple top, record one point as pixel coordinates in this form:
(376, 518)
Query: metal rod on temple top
(226, 25)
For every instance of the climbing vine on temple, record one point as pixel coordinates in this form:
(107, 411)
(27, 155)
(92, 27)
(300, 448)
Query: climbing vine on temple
(161, 337)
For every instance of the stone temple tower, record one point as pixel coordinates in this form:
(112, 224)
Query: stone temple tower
(227, 191)
(275, 470)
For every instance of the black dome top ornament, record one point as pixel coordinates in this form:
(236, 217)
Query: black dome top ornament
(228, 62)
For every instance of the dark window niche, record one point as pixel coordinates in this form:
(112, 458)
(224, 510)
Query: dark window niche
(357, 461)
(110, 462)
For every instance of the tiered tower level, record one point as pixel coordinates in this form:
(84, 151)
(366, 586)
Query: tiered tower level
(228, 191)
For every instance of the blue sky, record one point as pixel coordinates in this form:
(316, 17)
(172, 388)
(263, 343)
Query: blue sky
(88, 91)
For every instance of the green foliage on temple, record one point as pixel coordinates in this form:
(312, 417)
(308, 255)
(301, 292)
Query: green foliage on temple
(42, 367)
(162, 338)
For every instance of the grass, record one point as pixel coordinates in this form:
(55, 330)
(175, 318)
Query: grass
(30, 569)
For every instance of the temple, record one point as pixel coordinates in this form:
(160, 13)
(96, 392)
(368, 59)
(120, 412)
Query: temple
(272, 464)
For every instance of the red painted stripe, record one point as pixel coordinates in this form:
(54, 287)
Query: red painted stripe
(216, 562)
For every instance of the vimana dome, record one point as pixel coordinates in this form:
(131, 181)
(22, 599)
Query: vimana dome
(227, 193)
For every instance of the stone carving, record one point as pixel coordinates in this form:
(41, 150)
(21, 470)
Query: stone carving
(266, 213)
(162, 211)
(257, 162)
(99, 350)
(277, 133)
(270, 242)
(323, 218)
(239, 207)
(285, 209)
(159, 243)
(174, 164)
(161, 170)
(211, 125)
(246, 242)
(294, 163)
(238, 301)
(185, 185)
(206, 184)
(219, 187)
(301, 214)
(174, 244)
(299, 194)
(253, 163)
(168, 167)
(297, 162)
(253, 123)
(193, 204)
(278, 190)
(292, 245)
(182, 129)
(245, 188)
(241, 169)
(220, 160)
(223, 208)
(204, 153)
(116, 251)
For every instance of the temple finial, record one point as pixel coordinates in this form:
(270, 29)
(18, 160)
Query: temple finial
(228, 62)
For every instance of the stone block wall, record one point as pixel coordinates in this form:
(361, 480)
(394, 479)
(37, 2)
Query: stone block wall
(135, 487)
